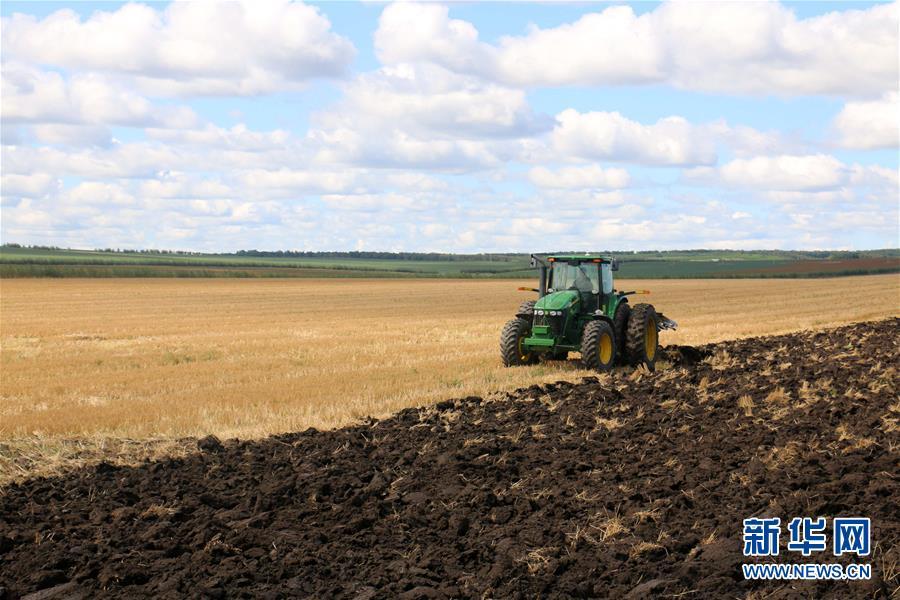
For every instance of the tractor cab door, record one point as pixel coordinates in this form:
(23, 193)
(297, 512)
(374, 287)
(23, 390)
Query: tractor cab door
(606, 285)
(589, 286)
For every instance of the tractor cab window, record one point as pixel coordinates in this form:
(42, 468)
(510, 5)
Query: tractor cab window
(606, 278)
(583, 277)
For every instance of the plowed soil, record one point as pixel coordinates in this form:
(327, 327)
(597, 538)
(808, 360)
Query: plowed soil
(633, 484)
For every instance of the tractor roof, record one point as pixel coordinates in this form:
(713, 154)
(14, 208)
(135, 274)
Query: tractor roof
(587, 257)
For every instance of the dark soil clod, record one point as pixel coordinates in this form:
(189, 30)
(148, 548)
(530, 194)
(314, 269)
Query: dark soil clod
(210, 444)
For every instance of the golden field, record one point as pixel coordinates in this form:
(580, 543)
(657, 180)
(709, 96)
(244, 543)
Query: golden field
(104, 362)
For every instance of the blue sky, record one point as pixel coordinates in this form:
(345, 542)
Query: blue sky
(470, 127)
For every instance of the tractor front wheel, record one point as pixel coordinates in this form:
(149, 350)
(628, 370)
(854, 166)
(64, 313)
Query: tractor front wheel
(598, 346)
(642, 339)
(512, 350)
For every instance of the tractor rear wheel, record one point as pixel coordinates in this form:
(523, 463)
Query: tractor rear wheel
(512, 351)
(620, 326)
(526, 310)
(642, 339)
(598, 346)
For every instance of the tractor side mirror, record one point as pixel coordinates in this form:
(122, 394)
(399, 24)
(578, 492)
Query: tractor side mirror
(615, 264)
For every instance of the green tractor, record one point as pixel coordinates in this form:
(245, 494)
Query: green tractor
(578, 310)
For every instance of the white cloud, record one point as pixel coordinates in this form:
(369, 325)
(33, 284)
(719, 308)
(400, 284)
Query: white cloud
(125, 160)
(850, 217)
(574, 205)
(415, 182)
(238, 137)
(611, 47)
(533, 227)
(789, 178)
(591, 176)
(677, 229)
(189, 48)
(433, 100)
(30, 186)
(870, 124)
(100, 193)
(181, 185)
(71, 135)
(398, 149)
(376, 203)
(790, 199)
(213, 149)
(756, 48)
(34, 96)
(423, 117)
(746, 141)
(785, 172)
(435, 230)
(418, 32)
(610, 136)
(875, 176)
(764, 48)
(294, 182)
(290, 182)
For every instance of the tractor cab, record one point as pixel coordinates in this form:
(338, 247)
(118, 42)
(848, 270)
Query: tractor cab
(588, 279)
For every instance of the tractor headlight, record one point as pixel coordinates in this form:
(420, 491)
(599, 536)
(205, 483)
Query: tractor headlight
(554, 313)
(539, 313)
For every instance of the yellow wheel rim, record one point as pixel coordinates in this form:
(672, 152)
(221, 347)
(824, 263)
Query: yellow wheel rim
(650, 338)
(523, 355)
(606, 349)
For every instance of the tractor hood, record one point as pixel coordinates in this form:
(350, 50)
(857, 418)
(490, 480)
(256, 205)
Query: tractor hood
(557, 300)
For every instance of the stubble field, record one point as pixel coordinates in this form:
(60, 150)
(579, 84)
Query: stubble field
(130, 366)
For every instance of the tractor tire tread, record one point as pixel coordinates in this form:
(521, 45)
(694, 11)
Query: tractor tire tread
(642, 315)
(590, 346)
(620, 326)
(509, 342)
(526, 309)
